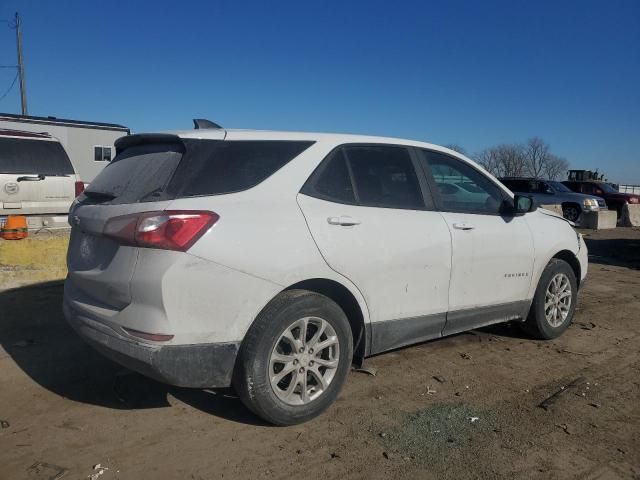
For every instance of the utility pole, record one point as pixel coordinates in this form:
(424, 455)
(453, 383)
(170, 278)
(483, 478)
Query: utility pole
(23, 85)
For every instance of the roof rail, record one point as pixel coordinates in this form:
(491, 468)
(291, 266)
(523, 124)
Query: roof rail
(199, 123)
(23, 133)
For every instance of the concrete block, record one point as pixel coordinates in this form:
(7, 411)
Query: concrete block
(630, 215)
(556, 208)
(601, 220)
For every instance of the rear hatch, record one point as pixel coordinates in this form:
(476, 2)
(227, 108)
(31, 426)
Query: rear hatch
(99, 266)
(36, 176)
(147, 174)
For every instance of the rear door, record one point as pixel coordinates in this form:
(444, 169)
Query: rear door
(366, 209)
(492, 254)
(36, 177)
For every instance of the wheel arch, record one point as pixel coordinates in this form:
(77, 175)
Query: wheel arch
(571, 258)
(348, 302)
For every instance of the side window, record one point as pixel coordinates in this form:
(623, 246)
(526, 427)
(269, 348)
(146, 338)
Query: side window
(588, 188)
(332, 182)
(516, 185)
(384, 177)
(462, 188)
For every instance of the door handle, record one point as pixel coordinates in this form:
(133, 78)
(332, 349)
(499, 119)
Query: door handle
(463, 226)
(343, 220)
(31, 178)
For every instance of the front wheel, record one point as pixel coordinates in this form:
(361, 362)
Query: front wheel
(295, 358)
(571, 212)
(554, 302)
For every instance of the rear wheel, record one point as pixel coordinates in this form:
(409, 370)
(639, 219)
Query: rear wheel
(295, 358)
(571, 212)
(554, 302)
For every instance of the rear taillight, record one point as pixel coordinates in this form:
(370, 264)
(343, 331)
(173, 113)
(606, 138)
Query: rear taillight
(167, 230)
(79, 188)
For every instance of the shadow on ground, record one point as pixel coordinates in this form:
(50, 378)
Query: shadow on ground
(35, 334)
(619, 252)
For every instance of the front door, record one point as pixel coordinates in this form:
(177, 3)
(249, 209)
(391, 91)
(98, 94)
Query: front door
(493, 255)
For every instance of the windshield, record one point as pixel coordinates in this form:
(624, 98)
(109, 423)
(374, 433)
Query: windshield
(559, 187)
(607, 188)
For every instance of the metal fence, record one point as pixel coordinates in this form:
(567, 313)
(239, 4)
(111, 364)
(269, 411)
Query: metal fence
(629, 189)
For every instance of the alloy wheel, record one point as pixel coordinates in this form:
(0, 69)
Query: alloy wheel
(557, 301)
(304, 361)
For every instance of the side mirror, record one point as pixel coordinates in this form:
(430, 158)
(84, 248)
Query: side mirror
(521, 204)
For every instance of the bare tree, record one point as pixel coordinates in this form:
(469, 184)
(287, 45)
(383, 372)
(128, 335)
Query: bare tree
(456, 148)
(537, 155)
(503, 160)
(556, 168)
(514, 160)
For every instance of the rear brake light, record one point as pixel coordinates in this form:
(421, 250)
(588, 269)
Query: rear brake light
(167, 230)
(79, 188)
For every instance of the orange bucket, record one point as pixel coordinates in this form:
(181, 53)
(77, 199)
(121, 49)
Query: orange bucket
(15, 228)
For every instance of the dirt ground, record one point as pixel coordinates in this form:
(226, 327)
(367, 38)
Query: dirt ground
(461, 407)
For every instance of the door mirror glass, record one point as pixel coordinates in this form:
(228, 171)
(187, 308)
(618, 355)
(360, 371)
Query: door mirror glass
(523, 204)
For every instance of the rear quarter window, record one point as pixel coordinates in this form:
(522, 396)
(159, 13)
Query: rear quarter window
(19, 155)
(217, 167)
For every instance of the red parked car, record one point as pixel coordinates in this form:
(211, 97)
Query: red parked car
(615, 199)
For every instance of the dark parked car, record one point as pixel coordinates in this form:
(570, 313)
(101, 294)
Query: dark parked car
(615, 199)
(547, 192)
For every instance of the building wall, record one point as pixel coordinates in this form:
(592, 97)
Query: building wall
(77, 141)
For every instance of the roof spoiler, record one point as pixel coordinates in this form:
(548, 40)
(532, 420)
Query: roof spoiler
(128, 141)
(199, 123)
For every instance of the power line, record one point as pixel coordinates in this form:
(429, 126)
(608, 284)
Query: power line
(15, 79)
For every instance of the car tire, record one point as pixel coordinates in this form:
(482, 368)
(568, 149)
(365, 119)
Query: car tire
(571, 212)
(551, 314)
(285, 387)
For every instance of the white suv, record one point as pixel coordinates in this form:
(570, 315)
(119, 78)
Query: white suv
(271, 261)
(36, 175)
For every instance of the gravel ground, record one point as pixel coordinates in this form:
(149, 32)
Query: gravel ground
(461, 407)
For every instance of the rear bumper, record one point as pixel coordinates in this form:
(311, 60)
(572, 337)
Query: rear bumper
(199, 365)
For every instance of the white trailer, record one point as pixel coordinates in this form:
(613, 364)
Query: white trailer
(90, 145)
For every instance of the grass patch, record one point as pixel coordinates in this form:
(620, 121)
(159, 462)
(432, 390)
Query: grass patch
(441, 432)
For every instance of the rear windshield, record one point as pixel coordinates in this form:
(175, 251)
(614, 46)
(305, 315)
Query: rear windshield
(140, 173)
(19, 155)
(165, 171)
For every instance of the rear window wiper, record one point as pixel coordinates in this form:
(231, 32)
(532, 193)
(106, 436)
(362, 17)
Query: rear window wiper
(99, 196)
(156, 192)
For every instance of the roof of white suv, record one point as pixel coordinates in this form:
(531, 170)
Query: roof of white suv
(242, 134)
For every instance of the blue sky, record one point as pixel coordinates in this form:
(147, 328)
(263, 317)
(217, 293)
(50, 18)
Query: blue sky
(475, 73)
